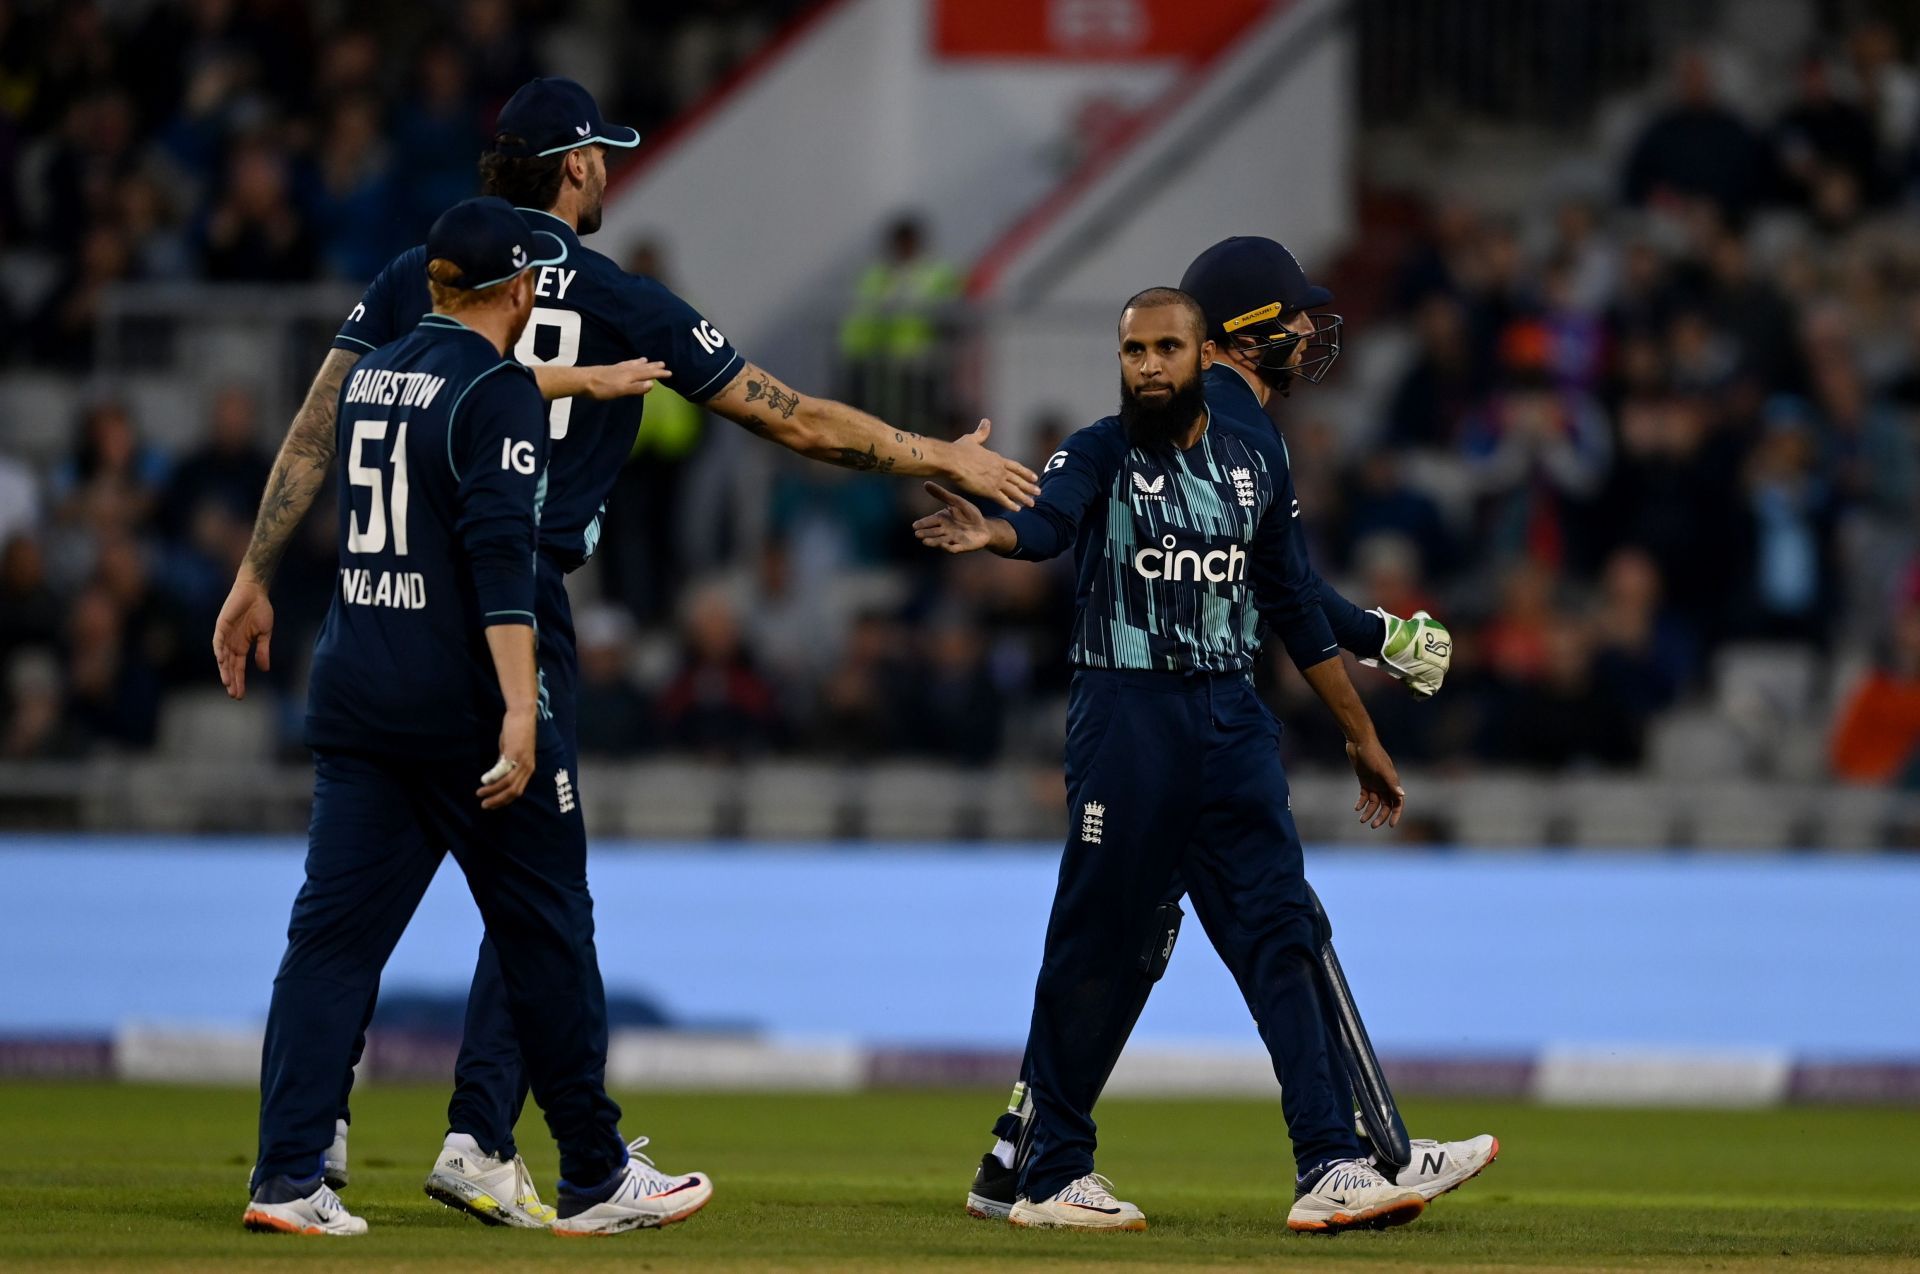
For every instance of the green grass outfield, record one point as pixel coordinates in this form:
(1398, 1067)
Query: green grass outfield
(100, 1177)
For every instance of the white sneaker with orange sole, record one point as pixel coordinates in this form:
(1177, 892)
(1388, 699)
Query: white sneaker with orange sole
(641, 1197)
(1352, 1195)
(1086, 1204)
(284, 1206)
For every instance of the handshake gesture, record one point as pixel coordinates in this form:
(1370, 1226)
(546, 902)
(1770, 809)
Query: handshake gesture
(960, 527)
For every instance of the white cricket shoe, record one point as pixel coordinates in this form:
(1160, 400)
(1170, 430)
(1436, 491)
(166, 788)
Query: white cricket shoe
(1440, 1166)
(494, 1191)
(1352, 1194)
(1086, 1204)
(280, 1206)
(641, 1198)
(333, 1166)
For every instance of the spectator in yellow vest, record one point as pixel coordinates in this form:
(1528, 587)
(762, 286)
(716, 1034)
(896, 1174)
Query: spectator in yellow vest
(891, 341)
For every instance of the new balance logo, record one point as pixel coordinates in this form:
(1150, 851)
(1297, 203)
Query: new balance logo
(1150, 488)
(1243, 486)
(1433, 1162)
(1093, 819)
(563, 790)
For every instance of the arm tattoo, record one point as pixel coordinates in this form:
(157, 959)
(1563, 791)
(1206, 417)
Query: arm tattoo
(300, 469)
(867, 461)
(778, 399)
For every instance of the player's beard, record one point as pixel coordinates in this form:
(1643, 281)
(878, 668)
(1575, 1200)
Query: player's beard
(1153, 426)
(592, 210)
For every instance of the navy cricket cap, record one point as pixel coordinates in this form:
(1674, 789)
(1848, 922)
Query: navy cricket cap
(1247, 280)
(489, 241)
(550, 115)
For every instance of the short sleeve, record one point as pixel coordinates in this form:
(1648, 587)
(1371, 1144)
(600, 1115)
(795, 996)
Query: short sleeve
(497, 442)
(664, 327)
(390, 307)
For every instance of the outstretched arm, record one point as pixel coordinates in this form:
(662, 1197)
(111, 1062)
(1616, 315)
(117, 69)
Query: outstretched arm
(959, 527)
(835, 433)
(306, 453)
(613, 380)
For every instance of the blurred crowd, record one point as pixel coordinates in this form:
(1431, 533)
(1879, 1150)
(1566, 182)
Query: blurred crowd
(1656, 423)
(1649, 424)
(276, 141)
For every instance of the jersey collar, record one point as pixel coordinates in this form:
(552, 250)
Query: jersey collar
(446, 322)
(572, 235)
(1230, 379)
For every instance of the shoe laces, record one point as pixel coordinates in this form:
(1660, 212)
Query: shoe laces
(523, 1189)
(1352, 1174)
(651, 1171)
(1093, 1188)
(325, 1201)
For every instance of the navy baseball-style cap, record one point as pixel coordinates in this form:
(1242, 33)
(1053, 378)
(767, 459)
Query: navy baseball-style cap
(550, 115)
(489, 241)
(1247, 280)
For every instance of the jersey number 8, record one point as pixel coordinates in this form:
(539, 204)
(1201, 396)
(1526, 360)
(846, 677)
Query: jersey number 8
(566, 352)
(372, 538)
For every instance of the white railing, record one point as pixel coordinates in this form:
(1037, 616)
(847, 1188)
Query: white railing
(686, 800)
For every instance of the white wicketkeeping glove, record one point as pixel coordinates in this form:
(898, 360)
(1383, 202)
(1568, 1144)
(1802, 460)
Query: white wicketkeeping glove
(1418, 651)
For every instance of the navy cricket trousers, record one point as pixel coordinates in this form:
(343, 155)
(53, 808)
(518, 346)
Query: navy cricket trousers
(379, 828)
(1175, 779)
(490, 1083)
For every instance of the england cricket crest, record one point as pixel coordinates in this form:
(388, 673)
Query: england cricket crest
(1243, 485)
(1093, 817)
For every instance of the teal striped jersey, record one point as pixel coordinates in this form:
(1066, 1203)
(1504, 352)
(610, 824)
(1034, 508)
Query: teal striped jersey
(1181, 555)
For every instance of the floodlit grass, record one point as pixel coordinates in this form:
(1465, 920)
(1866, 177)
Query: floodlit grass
(108, 1177)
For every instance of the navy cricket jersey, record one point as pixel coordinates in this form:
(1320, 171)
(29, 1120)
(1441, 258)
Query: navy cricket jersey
(442, 451)
(1360, 631)
(1180, 554)
(587, 312)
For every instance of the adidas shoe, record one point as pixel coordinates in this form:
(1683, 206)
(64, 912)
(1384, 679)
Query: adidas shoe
(492, 1191)
(1086, 1204)
(333, 1167)
(994, 1188)
(638, 1197)
(284, 1206)
(1440, 1166)
(1351, 1194)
